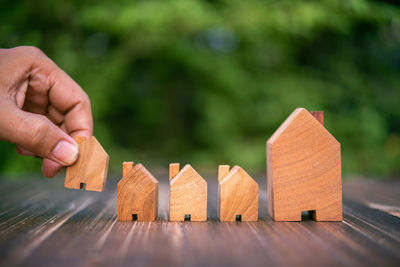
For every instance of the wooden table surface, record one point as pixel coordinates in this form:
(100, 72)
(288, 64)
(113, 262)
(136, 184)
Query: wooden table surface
(41, 223)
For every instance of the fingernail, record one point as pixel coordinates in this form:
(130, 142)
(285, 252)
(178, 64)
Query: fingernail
(65, 152)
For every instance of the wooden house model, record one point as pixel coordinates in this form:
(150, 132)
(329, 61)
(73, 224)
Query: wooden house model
(137, 197)
(90, 168)
(188, 194)
(304, 170)
(238, 195)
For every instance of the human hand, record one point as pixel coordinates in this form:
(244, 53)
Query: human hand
(41, 108)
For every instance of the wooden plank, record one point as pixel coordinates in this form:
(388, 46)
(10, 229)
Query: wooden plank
(383, 195)
(48, 225)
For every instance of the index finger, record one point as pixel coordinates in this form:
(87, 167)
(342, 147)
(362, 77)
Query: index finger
(65, 95)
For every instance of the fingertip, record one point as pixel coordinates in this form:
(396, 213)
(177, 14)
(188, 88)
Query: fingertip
(50, 168)
(65, 152)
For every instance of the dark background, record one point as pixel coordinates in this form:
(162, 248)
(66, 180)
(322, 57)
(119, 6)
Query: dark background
(208, 82)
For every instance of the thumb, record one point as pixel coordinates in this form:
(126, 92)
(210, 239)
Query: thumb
(37, 134)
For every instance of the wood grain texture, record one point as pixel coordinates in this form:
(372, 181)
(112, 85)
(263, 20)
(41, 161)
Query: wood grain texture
(42, 224)
(80, 139)
(173, 170)
(238, 195)
(126, 168)
(188, 194)
(137, 197)
(91, 167)
(304, 170)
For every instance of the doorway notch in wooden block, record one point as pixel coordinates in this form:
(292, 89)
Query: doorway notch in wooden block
(238, 195)
(304, 170)
(188, 194)
(90, 168)
(137, 197)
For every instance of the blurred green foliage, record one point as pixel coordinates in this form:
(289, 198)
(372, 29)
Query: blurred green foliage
(207, 82)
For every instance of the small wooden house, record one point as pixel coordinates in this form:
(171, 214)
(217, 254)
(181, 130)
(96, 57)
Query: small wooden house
(238, 195)
(188, 194)
(90, 168)
(304, 170)
(137, 197)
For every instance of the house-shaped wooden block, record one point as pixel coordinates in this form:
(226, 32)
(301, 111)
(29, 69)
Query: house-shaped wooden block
(188, 194)
(90, 168)
(137, 197)
(238, 195)
(304, 170)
